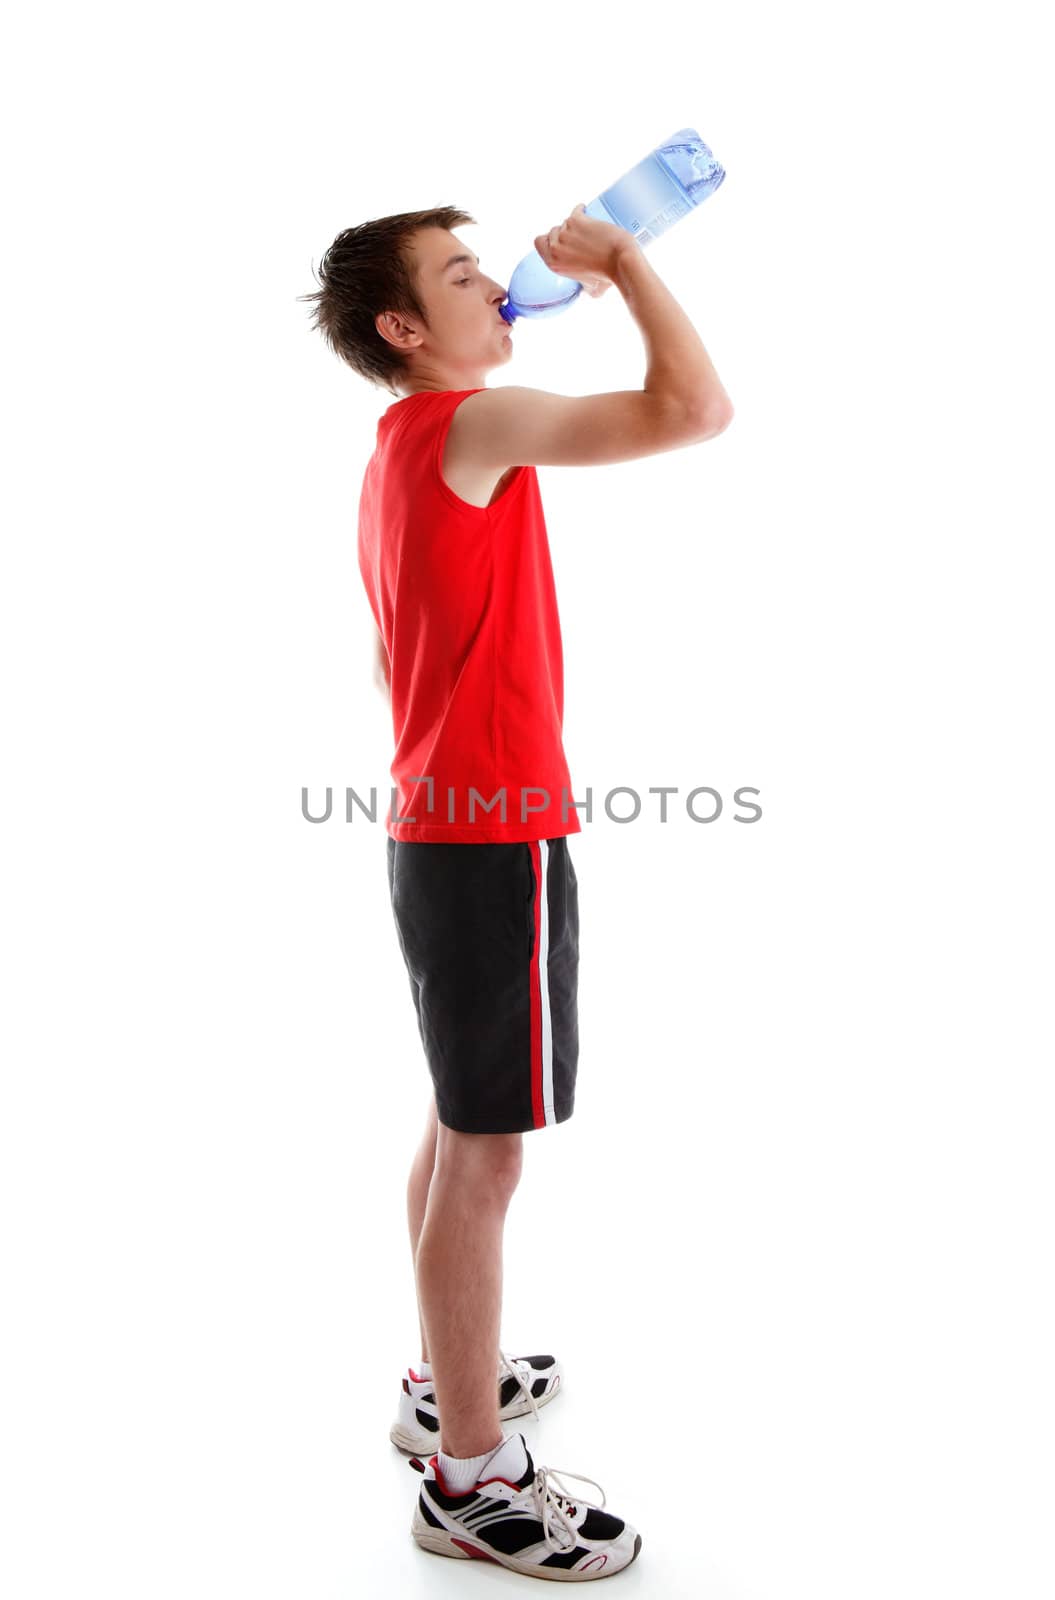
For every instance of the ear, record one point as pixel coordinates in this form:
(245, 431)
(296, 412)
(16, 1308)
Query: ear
(395, 331)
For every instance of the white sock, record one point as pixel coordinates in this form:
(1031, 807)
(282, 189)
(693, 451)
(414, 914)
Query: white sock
(461, 1473)
(424, 1369)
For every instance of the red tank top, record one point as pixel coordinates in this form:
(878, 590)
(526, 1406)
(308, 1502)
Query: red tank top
(465, 602)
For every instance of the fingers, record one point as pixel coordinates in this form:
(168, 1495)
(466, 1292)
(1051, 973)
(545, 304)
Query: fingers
(552, 237)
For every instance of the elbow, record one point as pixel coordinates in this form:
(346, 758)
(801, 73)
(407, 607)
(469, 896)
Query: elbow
(715, 418)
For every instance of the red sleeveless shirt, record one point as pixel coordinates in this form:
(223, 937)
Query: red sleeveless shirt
(465, 602)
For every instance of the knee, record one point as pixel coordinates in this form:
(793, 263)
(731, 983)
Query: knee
(489, 1162)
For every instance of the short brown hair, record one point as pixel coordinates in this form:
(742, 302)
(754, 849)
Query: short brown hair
(367, 270)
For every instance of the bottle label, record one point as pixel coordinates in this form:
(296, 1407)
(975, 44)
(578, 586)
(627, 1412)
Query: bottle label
(646, 200)
(661, 222)
(663, 188)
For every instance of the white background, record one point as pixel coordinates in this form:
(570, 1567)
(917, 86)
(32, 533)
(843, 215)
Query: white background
(794, 1248)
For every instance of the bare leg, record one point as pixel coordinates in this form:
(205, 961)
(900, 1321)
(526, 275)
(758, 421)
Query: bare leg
(459, 1279)
(418, 1195)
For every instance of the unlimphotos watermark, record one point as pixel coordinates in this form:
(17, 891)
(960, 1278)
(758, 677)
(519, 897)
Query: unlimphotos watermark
(478, 809)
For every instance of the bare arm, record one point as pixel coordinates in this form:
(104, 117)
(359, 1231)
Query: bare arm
(680, 379)
(679, 367)
(682, 401)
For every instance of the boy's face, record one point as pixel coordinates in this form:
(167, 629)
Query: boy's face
(466, 337)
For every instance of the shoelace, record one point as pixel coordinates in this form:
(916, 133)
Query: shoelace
(513, 1366)
(548, 1502)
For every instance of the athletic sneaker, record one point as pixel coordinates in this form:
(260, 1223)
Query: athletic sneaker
(524, 1384)
(528, 1525)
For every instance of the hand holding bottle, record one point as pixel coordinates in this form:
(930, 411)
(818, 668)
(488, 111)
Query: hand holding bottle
(584, 248)
(583, 251)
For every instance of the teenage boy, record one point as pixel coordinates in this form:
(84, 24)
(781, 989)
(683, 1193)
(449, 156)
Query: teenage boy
(454, 556)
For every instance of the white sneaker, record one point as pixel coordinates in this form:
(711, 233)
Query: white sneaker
(527, 1525)
(524, 1384)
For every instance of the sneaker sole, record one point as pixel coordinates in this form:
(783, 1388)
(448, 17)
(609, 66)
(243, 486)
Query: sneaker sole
(464, 1548)
(421, 1444)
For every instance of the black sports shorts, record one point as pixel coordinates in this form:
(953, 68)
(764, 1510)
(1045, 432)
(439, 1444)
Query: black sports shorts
(490, 937)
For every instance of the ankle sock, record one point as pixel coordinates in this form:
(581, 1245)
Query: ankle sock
(508, 1459)
(423, 1369)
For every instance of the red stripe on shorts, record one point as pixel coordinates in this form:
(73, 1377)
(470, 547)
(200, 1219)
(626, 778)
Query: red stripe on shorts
(537, 1111)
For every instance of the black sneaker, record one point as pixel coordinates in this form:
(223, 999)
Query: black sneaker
(527, 1525)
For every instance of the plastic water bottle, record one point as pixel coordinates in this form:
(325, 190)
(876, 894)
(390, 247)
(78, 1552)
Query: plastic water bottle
(678, 175)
